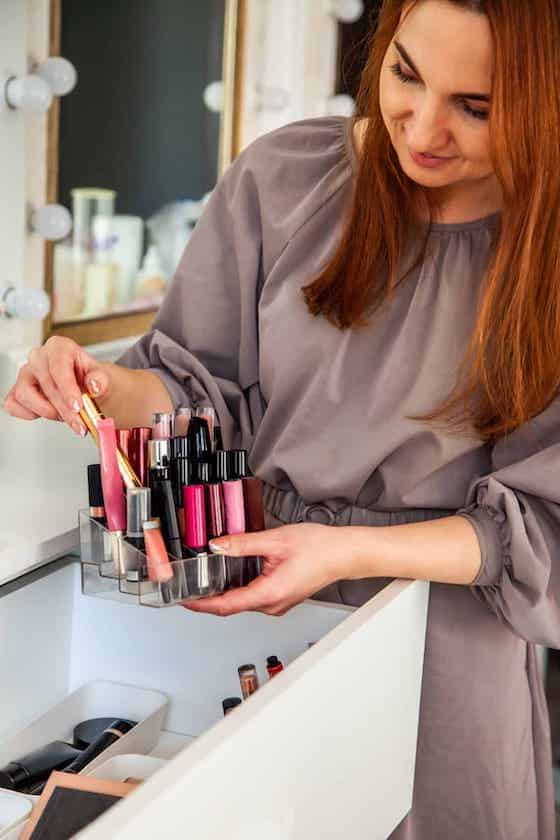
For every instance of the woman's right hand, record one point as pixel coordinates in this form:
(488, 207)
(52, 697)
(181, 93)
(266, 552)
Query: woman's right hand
(52, 381)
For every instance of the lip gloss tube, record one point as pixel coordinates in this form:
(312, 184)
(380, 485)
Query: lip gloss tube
(163, 505)
(235, 506)
(123, 441)
(254, 518)
(112, 484)
(182, 420)
(159, 460)
(207, 412)
(95, 494)
(159, 568)
(162, 425)
(235, 524)
(138, 451)
(215, 511)
(138, 511)
(238, 463)
(195, 517)
(199, 441)
(91, 415)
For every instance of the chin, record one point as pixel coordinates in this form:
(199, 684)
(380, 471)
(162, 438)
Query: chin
(426, 178)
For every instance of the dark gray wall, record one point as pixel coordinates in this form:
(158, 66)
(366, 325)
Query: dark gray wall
(136, 121)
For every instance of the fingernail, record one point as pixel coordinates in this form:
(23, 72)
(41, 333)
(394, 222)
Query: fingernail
(219, 548)
(76, 406)
(94, 386)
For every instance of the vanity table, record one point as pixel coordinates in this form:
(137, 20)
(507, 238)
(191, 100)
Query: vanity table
(326, 749)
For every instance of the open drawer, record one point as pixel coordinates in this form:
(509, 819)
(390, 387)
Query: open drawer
(324, 750)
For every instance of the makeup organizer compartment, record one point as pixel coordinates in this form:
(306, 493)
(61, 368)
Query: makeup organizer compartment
(114, 568)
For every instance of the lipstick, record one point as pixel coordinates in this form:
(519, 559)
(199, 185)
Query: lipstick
(235, 506)
(91, 416)
(138, 451)
(162, 426)
(215, 510)
(95, 493)
(221, 465)
(112, 484)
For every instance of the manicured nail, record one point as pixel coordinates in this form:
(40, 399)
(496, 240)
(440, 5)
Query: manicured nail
(94, 386)
(76, 406)
(221, 548)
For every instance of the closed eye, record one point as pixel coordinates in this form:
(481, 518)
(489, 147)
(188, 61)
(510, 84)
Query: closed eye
(406, 80)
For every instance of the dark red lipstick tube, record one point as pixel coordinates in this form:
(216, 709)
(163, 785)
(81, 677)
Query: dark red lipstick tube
(138, 448)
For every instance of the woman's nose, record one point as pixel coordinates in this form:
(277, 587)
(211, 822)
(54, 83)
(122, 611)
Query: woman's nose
(429, 129)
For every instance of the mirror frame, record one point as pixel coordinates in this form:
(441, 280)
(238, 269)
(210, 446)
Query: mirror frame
(123, 325)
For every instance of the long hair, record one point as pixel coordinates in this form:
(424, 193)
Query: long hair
(511, 368)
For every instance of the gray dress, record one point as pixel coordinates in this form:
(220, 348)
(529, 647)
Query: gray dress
(323, 413)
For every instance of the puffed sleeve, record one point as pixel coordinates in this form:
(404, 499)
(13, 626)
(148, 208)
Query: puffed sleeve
(515, 510)
(204, 340)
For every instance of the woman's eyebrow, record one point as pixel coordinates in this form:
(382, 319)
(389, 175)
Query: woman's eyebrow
(482, 97)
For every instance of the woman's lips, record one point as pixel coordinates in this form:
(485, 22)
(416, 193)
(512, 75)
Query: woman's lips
(428, 162)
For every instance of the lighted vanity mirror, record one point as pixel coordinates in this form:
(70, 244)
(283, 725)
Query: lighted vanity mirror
(134, 151)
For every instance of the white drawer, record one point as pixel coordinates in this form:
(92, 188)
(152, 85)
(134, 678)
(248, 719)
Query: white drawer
(324, 750)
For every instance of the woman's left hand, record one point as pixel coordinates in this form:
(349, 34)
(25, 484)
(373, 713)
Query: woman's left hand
(298, 561)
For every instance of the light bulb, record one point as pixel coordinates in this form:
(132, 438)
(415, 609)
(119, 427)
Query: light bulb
(53, 221)
(27, 304)
(28, 92)
(341, 105)
(347, 11)
(214, 96)
(59, 73)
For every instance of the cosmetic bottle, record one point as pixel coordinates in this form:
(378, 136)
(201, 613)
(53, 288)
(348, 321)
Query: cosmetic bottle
(215, 511)
(254, 520)
(221, 465)
(138, 511)
(158, 566)
(182, 420)
(162, 426)
(273, 666)
(229, 704)
(248, 680)
(203, 472)
(184, 471)
(138, 448)
(35, 767)
(163, 506)
(235, 506)
(95, 493)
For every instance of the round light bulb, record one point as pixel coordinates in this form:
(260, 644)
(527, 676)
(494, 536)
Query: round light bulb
(27, 304)
(31, 93)
(59, 73)
(341, 105)
(53, 221)
(347, 11)
(214, 97)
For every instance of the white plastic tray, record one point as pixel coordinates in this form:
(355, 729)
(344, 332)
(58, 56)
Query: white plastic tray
(14, 808)
(121, 767)
(92, 700)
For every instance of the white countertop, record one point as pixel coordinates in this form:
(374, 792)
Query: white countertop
(43, 484)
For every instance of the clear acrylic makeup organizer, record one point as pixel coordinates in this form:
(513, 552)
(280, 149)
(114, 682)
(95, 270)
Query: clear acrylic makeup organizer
(113, 568)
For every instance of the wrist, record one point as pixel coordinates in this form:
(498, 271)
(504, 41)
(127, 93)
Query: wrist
(357, 558)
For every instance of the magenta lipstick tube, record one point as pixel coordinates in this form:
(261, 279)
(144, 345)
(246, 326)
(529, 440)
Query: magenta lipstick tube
(113, 487)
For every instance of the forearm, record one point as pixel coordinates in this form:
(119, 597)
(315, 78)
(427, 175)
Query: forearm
(441, 550)
(133, 396)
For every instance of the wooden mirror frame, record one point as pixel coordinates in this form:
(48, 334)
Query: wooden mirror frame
(122, 325)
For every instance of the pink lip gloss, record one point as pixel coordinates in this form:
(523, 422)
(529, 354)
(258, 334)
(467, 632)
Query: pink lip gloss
(112, 484)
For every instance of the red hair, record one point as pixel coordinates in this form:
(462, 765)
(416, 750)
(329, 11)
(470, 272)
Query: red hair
(511, 368)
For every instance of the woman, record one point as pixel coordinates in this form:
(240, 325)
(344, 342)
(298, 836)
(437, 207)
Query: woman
(411, 386)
